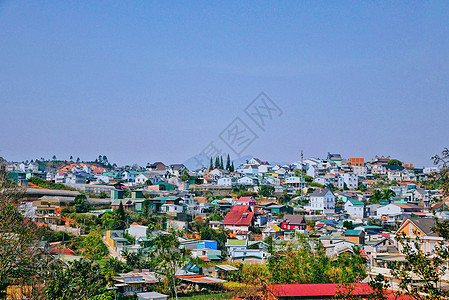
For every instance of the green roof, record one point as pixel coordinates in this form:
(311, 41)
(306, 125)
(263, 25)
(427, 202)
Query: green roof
(167, 198)
(355, 201)
(372, 227)
(235, 242)
(353, 232)
(213, 257)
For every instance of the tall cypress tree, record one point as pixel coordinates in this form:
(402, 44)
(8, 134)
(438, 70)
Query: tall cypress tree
(221, 162)
(211, 165)
(120, 217)
(232, 167)
(217, 162)
(228, 163)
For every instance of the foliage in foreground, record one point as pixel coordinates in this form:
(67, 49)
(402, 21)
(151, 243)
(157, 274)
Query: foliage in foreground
(81, 280)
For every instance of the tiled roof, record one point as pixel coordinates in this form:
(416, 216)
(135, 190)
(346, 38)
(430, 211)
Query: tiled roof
(246, 199)
(317, 291)
(424, 224)
(294, 219)
(239, 215)
(319, 192)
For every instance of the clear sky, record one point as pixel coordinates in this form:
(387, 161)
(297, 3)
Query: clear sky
(147, 81)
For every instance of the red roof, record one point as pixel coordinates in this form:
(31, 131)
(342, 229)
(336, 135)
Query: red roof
(239, 215)
(246, 199)
(322, 290)
(65, 251)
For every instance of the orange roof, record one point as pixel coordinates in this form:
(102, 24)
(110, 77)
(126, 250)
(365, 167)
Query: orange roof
(69, 166)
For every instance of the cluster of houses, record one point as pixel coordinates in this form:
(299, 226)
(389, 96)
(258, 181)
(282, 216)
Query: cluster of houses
(325, 199)
(158, 177)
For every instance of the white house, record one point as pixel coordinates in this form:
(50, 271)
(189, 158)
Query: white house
(142, 178)
(137, 230)
(218, 172)
(264, 169)
(354, 208)
(294, 181)
(323, 200)
(360, 170)
(397, 209)
(247, 180)
(379, 169)
(272, 230)
(172, 208)
(350, 179)
(273, 180)
(228, 181)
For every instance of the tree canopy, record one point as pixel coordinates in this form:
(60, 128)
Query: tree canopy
(394, 162)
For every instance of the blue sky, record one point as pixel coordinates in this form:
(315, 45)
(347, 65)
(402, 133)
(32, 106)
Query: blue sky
(146, 81)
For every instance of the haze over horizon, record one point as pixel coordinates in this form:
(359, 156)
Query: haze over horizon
(143, 82)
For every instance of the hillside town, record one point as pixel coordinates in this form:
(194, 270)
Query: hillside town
(227, 220)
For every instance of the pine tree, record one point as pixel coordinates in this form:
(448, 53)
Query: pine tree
(232, 167)
(121, 217)
(221, 162)
(217, 162)
(211, 165)
(228, 163)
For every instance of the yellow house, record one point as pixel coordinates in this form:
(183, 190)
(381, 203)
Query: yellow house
(422, 228)
(115, 239)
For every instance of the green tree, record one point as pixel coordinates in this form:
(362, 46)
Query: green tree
(331, 187)
(266, 190)
(348, 225)
(376, 197)
(221, 162)
(429, 268)
(120, 216)
(220, 237)
(211, 165)
(228, 163)
(361, 187)
(81, 204)
(217, 162)
(232, 167)
(166, 258)
(185, 176)
(387, 194)
(442, 161)
(394, 162)
(112, 267)
(21, 257)
(81, 280)
(91, 246)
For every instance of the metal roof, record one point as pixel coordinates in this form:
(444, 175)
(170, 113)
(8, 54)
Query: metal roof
(226, 267)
